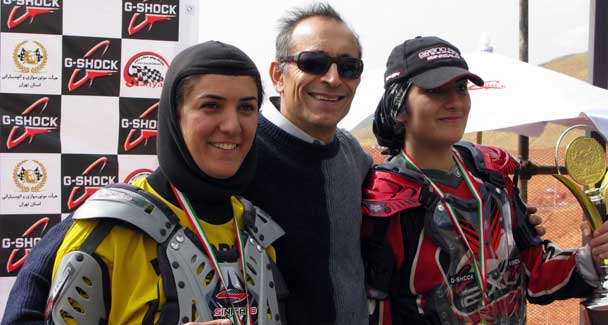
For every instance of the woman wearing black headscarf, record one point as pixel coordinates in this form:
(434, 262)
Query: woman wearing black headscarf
(181, 245)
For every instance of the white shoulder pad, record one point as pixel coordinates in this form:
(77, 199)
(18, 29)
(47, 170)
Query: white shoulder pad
(132, 205)
(77, 292)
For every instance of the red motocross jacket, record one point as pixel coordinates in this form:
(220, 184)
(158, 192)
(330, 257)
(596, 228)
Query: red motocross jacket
(420, 270)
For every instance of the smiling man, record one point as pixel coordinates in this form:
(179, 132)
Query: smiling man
(310, 173)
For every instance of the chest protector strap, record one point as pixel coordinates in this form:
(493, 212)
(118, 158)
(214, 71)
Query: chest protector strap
(493, 165)
(188, 278)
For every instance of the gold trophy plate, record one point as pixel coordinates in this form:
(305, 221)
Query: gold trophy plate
(585, 161)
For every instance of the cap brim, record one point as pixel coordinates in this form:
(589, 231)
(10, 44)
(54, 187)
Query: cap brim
(440, 76)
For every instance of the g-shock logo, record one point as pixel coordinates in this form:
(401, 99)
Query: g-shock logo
(152, 13)
(145, 69)
(143, 125)
(21, 245)
(30, 124)
(150, 19)
(94, 68)
(91, 66)
(439, 52)
(138, 126)
(97, 174)
(33, 8)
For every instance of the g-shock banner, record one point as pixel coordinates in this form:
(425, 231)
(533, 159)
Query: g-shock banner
(91, 66)
(138, 125)
(79, 87)
(18, 237)
(150, 19)
(32, 16)
(83, 175)
(30, 123)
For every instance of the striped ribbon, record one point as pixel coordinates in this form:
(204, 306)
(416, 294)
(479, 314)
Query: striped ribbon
(479, 265)
(200, 233)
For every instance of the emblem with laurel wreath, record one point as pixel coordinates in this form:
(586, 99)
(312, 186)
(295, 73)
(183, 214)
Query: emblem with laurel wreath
(29, 179)
(37, 57)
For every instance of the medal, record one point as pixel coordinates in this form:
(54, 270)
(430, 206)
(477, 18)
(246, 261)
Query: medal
(479, 265)
(200, 233)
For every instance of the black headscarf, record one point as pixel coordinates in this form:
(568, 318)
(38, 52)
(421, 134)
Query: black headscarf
(389, 132)
(175, 161)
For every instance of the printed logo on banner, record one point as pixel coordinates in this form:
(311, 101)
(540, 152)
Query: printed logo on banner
(138, 126)
(151, 20)
(83, 175)
(91, 66)
(18, 235)
(30, 57)
(29, 175)
(25, 187)
(145, 69)
(29, 64)
(137, 174)
(30, 123)
(32, 16)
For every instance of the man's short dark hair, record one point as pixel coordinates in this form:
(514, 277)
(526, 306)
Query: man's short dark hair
(293, 17)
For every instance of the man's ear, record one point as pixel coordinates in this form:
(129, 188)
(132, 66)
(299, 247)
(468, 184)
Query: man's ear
(277, 77)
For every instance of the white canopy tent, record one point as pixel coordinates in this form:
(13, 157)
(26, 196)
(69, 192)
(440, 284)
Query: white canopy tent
(517, 96)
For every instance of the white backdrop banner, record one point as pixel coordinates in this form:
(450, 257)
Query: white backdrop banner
(79, 88)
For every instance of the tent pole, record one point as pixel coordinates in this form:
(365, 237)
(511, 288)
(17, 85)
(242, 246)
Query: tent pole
(523, 141)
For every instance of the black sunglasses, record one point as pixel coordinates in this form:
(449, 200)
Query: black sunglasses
(317, 62)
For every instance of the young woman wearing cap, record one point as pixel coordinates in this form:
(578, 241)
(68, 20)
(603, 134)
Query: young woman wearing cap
(180, 245)
(445, 234)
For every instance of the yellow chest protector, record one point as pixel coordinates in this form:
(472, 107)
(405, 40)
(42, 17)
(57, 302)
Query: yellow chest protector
(130, 257)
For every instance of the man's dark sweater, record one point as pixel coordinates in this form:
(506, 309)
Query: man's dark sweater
(314, 192)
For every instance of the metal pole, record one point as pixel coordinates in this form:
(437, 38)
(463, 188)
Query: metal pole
(524, 141)
(598, 43)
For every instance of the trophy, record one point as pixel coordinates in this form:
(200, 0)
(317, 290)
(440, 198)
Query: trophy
(585, 162)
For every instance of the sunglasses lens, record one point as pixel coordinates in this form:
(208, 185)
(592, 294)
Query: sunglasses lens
(350, 68)
(314, 62)
(319, 62)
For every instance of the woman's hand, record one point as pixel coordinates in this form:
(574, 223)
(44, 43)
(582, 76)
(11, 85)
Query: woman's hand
(536, 221)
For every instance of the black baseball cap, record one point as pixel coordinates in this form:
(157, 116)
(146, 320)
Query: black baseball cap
(429, 62)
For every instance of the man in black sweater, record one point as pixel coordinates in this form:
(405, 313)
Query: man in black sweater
(310, 173)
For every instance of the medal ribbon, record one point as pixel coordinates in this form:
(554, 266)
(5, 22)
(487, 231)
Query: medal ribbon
(479, 266)
(200, 233)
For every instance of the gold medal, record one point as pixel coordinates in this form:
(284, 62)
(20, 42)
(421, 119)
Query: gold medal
(585, 161)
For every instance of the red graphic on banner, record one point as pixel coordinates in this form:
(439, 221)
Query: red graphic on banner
(90, 74)
(12, 264)
(149, 20)
(30, 12)
(144, 135)
(30, 131)
(88, 190)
